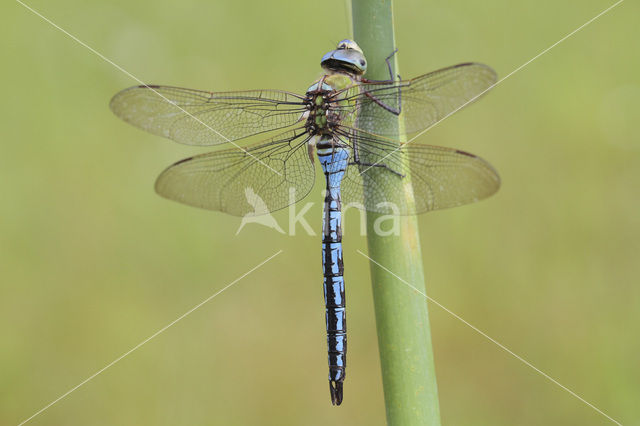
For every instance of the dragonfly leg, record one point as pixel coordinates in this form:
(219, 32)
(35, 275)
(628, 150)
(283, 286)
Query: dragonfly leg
(388, 61)
(384, 166)
(389, 68)
(392, 110)
(395, 111)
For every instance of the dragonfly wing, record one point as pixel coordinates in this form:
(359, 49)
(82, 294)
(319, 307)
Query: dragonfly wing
(195, 117)
(423, 101)
(263, 178)
(440, 177)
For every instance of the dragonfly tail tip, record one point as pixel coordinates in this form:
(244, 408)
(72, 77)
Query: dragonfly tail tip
(336, 392)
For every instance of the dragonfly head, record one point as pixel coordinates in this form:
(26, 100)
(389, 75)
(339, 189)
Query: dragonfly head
(347, 57)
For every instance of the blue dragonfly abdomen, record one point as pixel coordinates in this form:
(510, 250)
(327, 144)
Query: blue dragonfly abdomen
(334, 159)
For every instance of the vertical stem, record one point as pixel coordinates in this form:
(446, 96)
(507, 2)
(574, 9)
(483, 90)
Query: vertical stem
(402, 321)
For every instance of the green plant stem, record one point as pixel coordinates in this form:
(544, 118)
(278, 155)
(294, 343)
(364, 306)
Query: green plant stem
(402, 321)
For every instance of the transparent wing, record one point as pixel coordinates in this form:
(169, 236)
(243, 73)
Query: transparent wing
(423, 101)
(195, 117)
(440, 177)
(264, 178)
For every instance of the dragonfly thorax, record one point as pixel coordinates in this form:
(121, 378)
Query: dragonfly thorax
(322, 118)
(326, 104)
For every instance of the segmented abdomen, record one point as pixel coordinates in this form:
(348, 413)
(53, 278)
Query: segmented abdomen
(334, 161)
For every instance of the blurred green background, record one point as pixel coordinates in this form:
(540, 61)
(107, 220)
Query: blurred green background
(92, 261)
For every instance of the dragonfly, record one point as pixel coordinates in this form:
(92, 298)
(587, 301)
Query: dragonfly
(350, 124)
